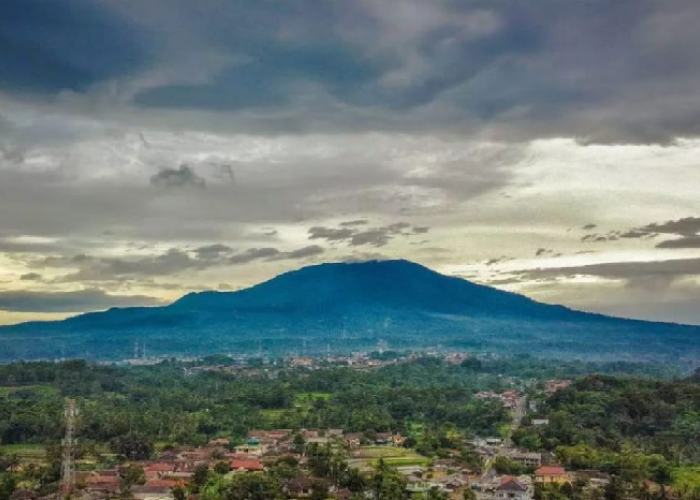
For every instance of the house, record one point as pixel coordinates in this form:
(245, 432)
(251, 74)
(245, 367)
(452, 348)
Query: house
(246, 465)
(593, 477)
(528, 459)
(103, 483)
(302, 486)
(157, 470)
(219, 442)
(335, 433)
(383, 438)
(511, 489)
(353, 439)
(551, 474)
(540, 421)
(151, 492)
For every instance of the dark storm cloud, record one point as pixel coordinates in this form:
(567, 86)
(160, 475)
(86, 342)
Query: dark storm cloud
(521, 68)
(54, 46)
(180, 177)
(78, 301)
(376, 237)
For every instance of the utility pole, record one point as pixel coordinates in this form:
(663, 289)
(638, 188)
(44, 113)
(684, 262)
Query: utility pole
(67, 476)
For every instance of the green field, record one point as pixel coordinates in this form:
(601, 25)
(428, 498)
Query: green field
(45, 389)
(369, 455)
(25, 452)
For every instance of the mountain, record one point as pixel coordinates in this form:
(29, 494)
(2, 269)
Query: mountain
(351, 306)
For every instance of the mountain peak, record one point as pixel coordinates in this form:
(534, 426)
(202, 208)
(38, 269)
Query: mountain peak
(351, 304)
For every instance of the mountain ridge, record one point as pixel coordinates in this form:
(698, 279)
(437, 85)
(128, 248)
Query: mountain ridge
(352, 305)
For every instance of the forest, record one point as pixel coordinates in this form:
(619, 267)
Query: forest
(640, 419)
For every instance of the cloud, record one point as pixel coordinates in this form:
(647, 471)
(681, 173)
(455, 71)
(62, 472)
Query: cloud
(212, 251)
(77, 301)
(356, 222)
(172, 262)
(504, 69)
(685, 242)
(589, 227)
(273, 254)
(645, 273)
(377, 237)
(687, 226)
(181, 177)
(30, 277)
(686, 229)
(330, 234)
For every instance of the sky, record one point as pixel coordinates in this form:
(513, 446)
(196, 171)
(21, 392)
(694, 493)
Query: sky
(150, 149)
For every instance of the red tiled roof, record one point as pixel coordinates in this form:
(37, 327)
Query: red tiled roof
(160, 467)
(251, 465)
(161, 483)
(550, 471)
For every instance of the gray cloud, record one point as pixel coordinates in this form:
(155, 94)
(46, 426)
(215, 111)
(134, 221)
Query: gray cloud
(511, 69)
(688, 226)
(686, 229)
(172, 262)
(30, 277)
(356, 222)
(685, 242)
(77, 301)
(181, 177)
(213, 251)
(646, 274)
(273, 254)
(377, 237)
(330, 234)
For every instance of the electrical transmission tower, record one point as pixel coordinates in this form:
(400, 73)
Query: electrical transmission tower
(67, 476)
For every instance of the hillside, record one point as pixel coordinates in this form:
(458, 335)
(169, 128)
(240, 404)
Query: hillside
(351, 306)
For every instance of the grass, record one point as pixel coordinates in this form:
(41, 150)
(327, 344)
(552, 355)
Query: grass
(23, 449)
(393, 455)
(7, 390)
(307, 397)
(26, 452)
(686, 479)
(407, 461)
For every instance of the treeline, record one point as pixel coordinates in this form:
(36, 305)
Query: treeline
(118, 403)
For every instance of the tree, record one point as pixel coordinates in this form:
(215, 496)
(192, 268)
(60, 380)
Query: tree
(131, 475)
(387, 483)
(199, 478)
(468, 494)
(8, 484)
(222, 468)
(319, 491)
(252, 487)
(435, 494)
(132, 446)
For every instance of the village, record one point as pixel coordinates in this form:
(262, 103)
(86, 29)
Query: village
(171, 473)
